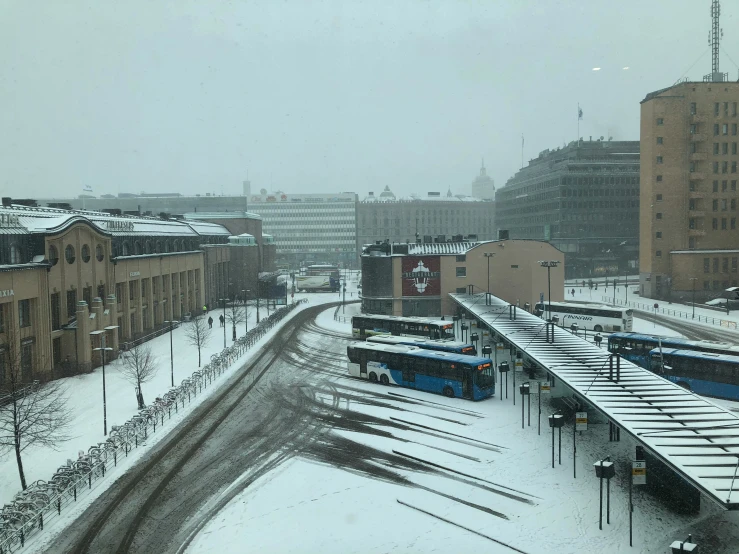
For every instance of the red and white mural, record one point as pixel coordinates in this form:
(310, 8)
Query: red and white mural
(421, 276)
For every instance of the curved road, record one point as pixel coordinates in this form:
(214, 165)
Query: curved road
(690, 330)
(281, 404)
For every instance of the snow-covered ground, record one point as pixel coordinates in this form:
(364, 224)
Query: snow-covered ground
(505, 496)
(85, 393)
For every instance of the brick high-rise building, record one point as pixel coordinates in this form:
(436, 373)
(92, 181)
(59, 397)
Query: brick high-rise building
(688, 217)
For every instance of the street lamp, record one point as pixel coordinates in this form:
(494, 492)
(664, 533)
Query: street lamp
(171, 351)
(694, 279)
(102, 350)
(549, 264)
(224, 321)
(246, 310)
(489, 255)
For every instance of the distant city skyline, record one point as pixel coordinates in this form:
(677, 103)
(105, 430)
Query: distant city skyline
(325, 95)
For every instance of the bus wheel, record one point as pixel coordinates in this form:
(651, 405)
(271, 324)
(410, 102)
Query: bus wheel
(449, 392)
(683, 384)
(384, 380)
(373, 376)
(598, 329)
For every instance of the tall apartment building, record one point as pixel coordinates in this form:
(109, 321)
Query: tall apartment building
(435, 217)
(688, 220)
(310, 227)
(584, 199)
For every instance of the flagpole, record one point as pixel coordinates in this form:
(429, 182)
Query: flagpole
(578, 123)
(522, 151)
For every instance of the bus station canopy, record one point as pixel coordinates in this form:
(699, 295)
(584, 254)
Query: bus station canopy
(695, 437)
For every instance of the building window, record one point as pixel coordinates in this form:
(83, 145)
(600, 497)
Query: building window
(733, 167)
(733, 204)
(733, 109)
(706, 265)
(725, 129)
(724, 167)
(723, 224)
(724, 204)
(53, 254)
(691, 203)
(85, 253)
(692, 167)
(118, 293)
(691, 223)
(659, 178)
(101, 293)
(27, 360)
(461, 257)
(734, 264)
(715, 109)
(693, 108)
(659, 198)
(715, 186)
(706, 285)
(725, 148)
(87, 296)
(24, 313)
(714, 225)
(733, 223)
(658, 253)
(131, 288)
(659, 159)
(715, 148)
(724, 185)
(659, 234)
(659, 215)
(71, 304)
(99, 253)
(715, 265)
(733, 129)
(15, 254)
(461, 272)
(659, 140)
(715, 129)
(691, 242)
(660, 121)
(725, 265)
(715, 205)
(715, 167)
(69, 254)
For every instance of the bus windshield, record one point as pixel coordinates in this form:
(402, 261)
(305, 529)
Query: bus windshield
(485, 376)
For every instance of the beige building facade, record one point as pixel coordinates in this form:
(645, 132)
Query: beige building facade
(688, 204)
(416, 279)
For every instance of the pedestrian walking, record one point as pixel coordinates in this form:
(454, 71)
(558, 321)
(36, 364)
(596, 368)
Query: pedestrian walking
(220, 317)
(210, 322)
(205, 309)
(573, 293)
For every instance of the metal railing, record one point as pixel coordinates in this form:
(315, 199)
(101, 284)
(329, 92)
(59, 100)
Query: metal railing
(43, 501)
(672, 312)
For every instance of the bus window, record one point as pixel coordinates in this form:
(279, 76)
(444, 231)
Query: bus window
(486, 377)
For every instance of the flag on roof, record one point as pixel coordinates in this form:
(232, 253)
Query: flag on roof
(87, 188)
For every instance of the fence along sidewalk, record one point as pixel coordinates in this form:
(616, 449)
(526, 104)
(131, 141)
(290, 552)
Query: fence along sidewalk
(669, 311)
(43, 501)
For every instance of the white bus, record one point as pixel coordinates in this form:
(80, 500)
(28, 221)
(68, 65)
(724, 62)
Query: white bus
(596, 318)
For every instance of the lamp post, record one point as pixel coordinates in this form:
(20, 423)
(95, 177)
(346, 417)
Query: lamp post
(549, 264)
(488, 255)
(171, 351)
(102, 350)
(224, 321)
(246, 310)
(694, 279)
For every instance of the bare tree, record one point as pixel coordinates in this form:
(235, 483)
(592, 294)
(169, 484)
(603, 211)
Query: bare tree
(138, 365)
(31, 413)
(235, 315)
(197, 333)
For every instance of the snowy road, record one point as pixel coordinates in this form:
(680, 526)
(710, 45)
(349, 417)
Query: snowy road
(293, 456)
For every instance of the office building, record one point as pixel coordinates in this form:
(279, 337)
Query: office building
(429, 218)
(584, 199)
(689, 236)
(416, 279)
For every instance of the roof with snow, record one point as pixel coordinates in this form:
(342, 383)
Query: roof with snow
(25, 220)
(441, 248)
(696, 438)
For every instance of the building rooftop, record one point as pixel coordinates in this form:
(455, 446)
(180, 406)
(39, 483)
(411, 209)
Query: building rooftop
(16, 219)
(387, 196)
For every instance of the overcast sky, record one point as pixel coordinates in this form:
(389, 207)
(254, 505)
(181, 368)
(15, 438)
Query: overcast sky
(325, 96)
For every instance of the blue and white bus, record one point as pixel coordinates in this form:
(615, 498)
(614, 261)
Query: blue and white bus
(453, 375)
(704, 373)
(453, 346)
(636, 347)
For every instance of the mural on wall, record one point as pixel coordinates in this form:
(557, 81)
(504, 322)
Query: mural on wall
(421, 276)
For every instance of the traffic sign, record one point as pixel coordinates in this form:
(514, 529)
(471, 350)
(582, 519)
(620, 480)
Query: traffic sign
(639, 472)
(656, 306)
(581, 421)
(545, 388)
(500, 347)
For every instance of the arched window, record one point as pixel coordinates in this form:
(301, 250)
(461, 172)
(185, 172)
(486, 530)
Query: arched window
(159, 247)
(53, 254)
(137, 248)
(99, 253)
(147, 247)
(176, 246)
(166, 246)
(85, 253)
(126, 248)
(15, 254)
(69, 254)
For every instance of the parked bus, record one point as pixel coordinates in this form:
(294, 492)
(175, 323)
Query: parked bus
(636, 347)
(453, 375)
(704, 373)
(594, 318)
(455, 347)
(364, 326)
